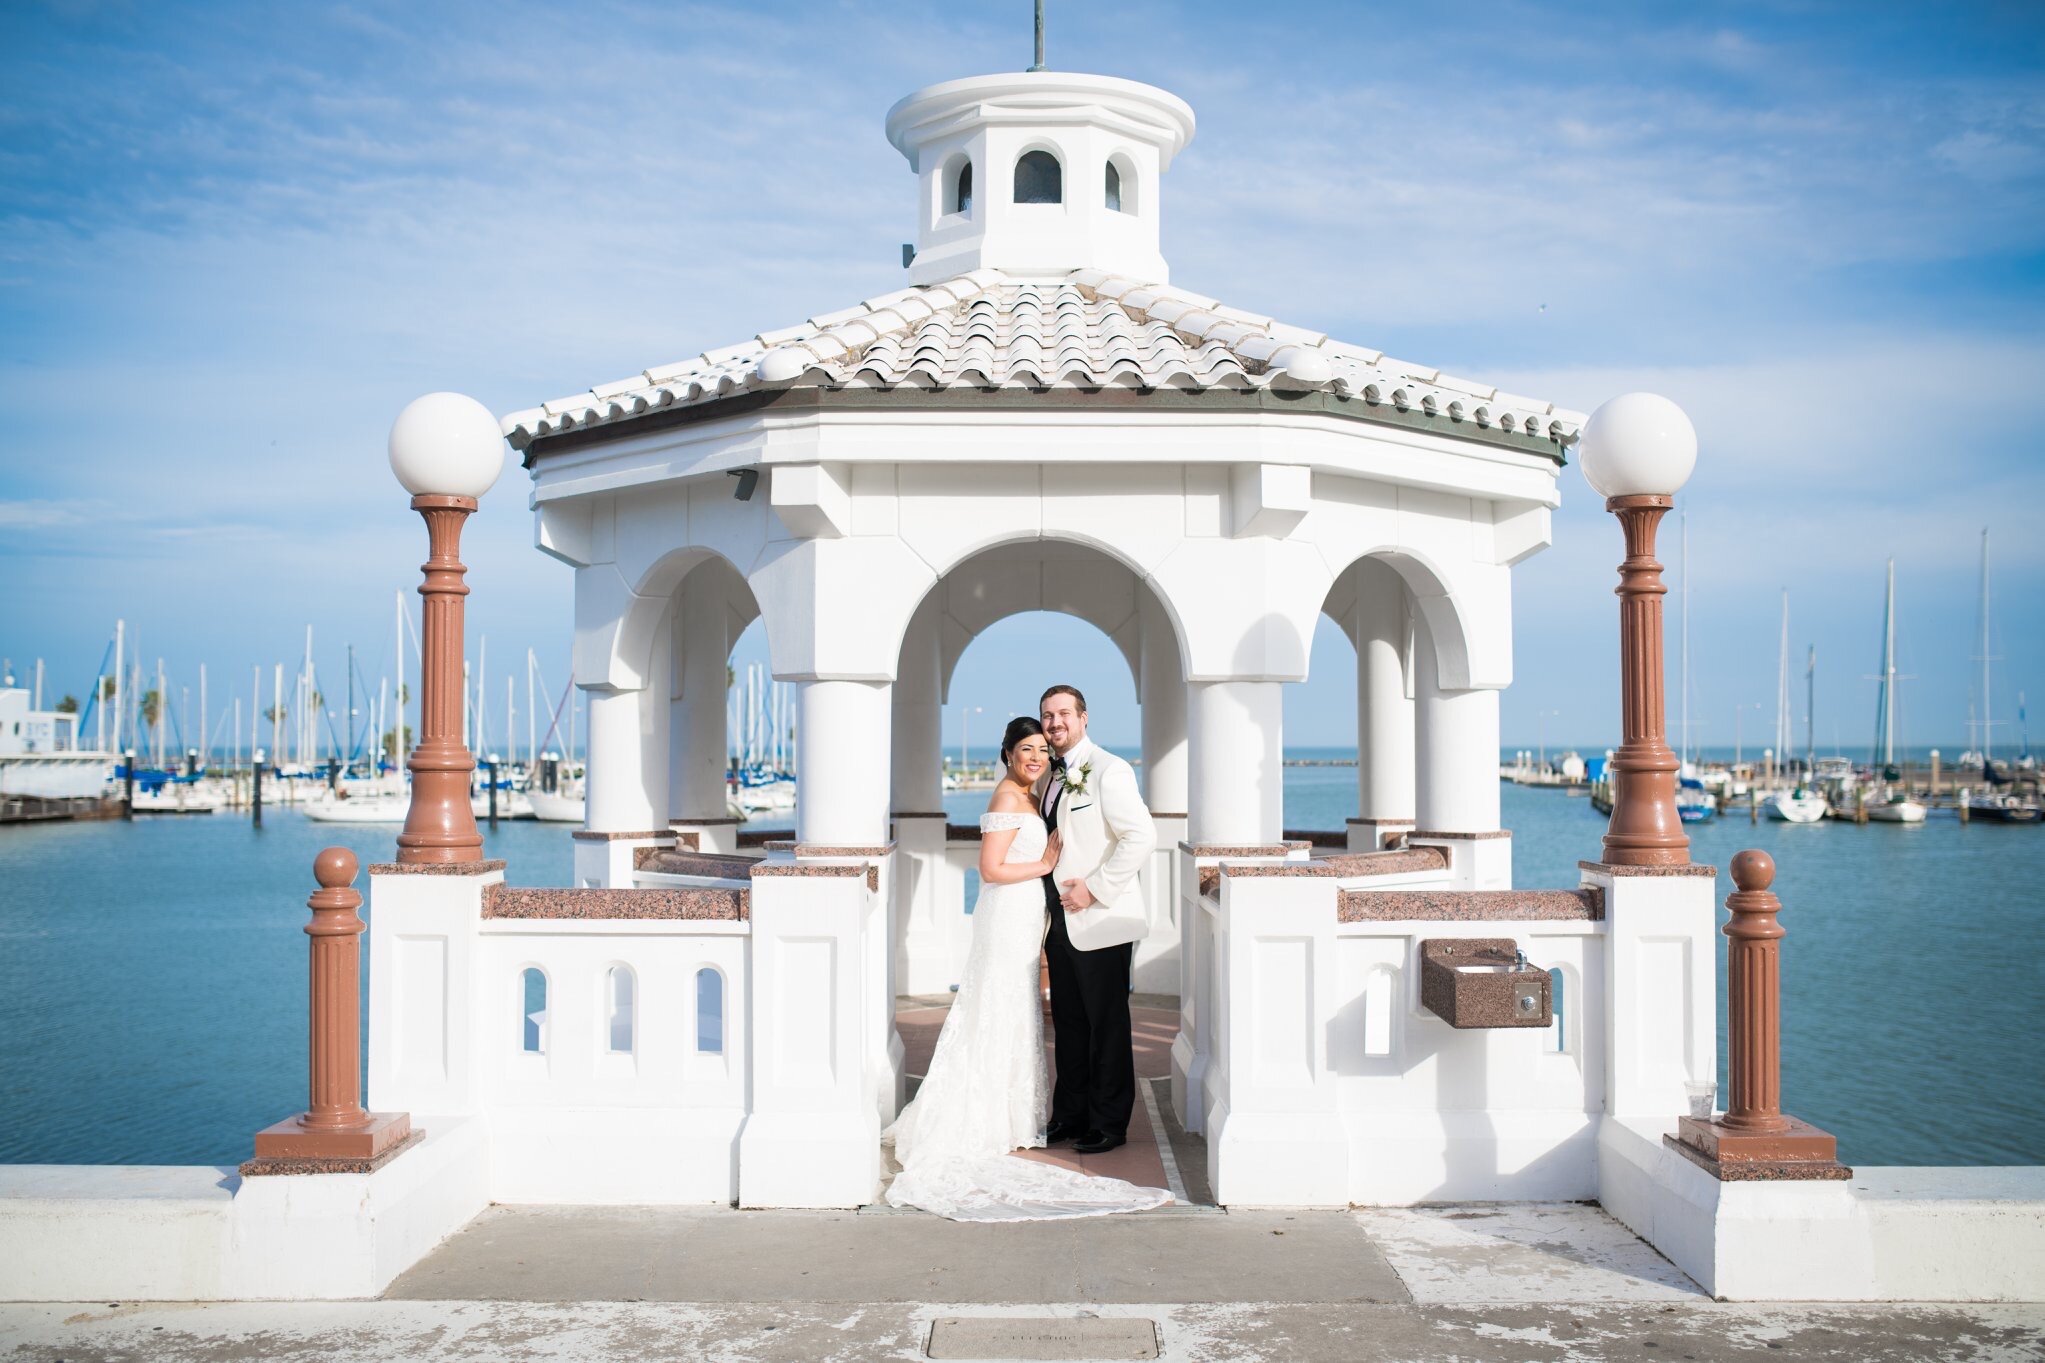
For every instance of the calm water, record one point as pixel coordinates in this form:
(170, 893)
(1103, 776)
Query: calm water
(152, 975)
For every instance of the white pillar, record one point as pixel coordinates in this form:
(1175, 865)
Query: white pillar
(627, 761)
(1457, 741)
(1163, 700)
(1236, 758)
(1384, 707)
(917, 770)
(842, 750)
(696, 746)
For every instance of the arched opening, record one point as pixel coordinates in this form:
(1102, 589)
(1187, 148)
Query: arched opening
(1000, 627)
(532, 993)
(1121, 189)
(1039, 179)
(709, 1011)
(958, 185)
(620, 992)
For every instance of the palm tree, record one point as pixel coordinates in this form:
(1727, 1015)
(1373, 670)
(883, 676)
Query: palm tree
(68, 706)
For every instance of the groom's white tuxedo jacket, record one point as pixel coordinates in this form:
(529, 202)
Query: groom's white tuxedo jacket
(1108, 834)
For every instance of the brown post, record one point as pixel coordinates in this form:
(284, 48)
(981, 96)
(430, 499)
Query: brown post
(440, 827)
(1645, 829)
(334, 1127)
(1753, 986)
(1754, 1138)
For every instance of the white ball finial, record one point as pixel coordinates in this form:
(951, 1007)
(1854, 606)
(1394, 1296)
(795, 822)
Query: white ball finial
(446, 445)
(1638, 444)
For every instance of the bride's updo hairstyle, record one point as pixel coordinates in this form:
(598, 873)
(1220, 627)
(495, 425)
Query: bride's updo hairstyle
(1019, 728)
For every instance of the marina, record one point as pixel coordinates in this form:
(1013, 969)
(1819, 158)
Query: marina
(573, 880)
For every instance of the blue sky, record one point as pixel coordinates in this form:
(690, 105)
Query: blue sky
(234, 240)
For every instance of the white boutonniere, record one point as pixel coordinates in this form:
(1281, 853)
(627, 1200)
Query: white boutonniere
(1076, 785)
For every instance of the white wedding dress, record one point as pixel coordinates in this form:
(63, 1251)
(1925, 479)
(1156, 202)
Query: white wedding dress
(988, 1091)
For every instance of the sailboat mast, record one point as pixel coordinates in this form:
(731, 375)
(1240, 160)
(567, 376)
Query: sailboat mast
(205, 751)
(1811, 711)
(1782, 716)
(1683, 523)
(1889, 672)
(397, 730)
(1987, 735)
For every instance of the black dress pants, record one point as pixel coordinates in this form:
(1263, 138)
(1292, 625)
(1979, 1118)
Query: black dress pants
(1096, 1084)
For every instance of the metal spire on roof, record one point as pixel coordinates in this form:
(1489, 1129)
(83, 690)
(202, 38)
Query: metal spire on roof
(1040, 37)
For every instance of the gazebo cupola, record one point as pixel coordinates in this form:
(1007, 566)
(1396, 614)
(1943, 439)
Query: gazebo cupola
(1038, 173)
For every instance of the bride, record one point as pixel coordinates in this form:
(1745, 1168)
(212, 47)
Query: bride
(987, 1092)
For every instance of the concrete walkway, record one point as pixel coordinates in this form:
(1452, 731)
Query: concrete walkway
(1469, 1283)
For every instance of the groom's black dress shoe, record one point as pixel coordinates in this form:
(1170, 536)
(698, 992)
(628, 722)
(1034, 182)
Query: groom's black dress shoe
(1059, 1132)
(1098, 1142)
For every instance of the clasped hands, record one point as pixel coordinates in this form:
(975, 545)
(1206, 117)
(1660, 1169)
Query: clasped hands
(1073, 894)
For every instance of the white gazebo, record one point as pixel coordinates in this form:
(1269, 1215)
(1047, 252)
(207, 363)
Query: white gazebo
(1040, 421)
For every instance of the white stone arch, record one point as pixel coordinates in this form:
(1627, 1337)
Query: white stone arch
(1135, 194)
(1433, 598)
(1058, 153)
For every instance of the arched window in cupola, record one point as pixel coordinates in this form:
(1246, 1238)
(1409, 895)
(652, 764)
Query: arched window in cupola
(958, 186)
(1039, 179)
(1120, 177)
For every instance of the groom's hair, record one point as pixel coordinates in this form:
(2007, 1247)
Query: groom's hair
(1078, 700)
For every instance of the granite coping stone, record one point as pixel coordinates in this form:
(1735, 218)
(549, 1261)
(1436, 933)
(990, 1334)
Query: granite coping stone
(721, 821)
(676, 862)
(271, 1166)
(1694, 868)
(1461, 837)
(1319, 837)
(1342, 866)
(1252, 849)
(1471, 906)
(1385, 823)
(1396, 862)
(647, 835)
(697, 903)
(437, 868)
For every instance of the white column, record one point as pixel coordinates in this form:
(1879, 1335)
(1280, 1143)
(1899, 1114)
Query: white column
(1384, 709)
(917, 772)
(1163, 700)
(627, 755)
(696, 747)
(1457, 742)
(842, 750)
(1236, 758)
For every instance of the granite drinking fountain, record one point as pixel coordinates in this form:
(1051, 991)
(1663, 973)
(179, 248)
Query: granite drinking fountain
(1482, 982)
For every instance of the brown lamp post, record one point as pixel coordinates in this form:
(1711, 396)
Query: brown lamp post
(1638, 450)
(447, 450)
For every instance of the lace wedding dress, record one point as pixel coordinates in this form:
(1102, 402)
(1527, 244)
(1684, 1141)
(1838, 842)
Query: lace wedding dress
(988, 1092)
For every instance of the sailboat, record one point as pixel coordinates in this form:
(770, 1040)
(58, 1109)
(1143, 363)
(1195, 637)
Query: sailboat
(1889, 805)
(1796, 803)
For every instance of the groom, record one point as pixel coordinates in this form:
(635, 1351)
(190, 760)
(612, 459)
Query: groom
(1097, 915)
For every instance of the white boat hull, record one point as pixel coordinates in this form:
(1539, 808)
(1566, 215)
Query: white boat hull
(1900, 811)
(175, 800)
(556, 807)
(360, 809)
(1792, 808)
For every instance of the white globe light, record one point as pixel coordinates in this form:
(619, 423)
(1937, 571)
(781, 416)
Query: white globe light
(446, 445)
(1638, 444)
